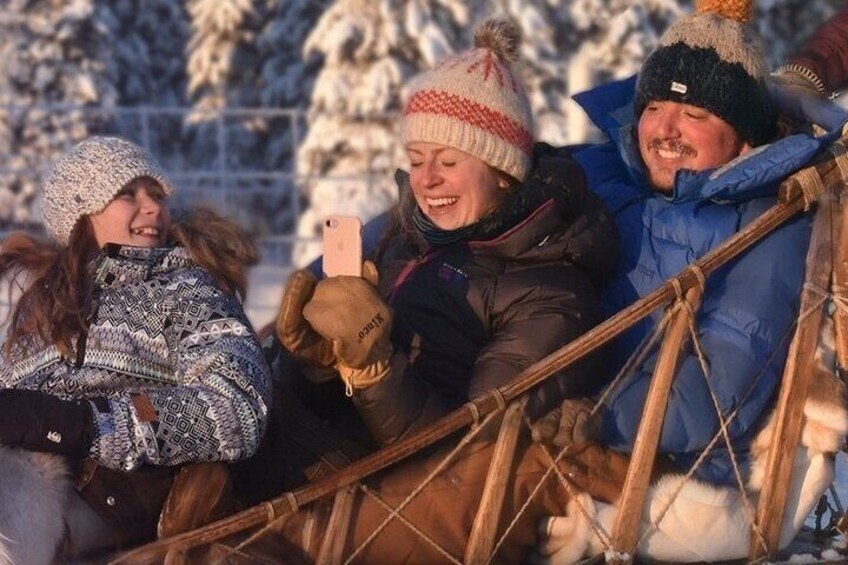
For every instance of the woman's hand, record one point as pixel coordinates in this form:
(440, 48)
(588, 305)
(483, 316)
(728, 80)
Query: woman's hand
(295, 333)
(349, 312)
(37, 421)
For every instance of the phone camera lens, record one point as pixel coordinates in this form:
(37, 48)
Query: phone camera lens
(331, 223)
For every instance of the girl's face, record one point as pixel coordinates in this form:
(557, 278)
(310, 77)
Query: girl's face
(452, 188)
(138, 216)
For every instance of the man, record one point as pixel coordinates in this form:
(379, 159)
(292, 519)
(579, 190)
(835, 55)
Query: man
(691, 171)
(697, 108)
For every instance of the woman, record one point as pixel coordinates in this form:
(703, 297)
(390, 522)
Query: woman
(486, 268)
(128, 353)
(491, 262)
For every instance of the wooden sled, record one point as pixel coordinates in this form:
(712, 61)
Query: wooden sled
(827, 270)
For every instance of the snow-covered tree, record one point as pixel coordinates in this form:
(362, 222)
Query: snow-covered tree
(218, 27)
(248, 55)
(148, 43)
(148, 40)
(370, 49)
(51, 59)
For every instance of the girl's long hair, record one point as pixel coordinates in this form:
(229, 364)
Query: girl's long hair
(56, 281)
(55, 287)
(217, 244)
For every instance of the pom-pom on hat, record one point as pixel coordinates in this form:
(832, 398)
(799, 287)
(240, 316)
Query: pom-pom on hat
(86, 179)
(714, 60)
(474, 102)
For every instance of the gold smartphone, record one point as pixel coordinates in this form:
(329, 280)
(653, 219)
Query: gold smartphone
(342, 246)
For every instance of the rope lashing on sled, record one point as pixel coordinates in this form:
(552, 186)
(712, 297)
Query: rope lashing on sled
(839, 297)
(415, 529)
(472, 407)
(810, 182)
(269, 508)
(789, 205)
(290, 496)
(680, 300)
(841, 156)
(823, 295)
(467, 438)
(273, 519)
(475, 413)
(811, 185)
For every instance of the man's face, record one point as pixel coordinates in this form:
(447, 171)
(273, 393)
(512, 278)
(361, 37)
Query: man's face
(674, 136)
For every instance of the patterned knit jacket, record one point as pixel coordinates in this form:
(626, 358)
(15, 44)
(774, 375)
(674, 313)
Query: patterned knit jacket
(170, 364)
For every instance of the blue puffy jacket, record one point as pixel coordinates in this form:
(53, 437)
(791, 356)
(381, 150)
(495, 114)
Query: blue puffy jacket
(748, 311)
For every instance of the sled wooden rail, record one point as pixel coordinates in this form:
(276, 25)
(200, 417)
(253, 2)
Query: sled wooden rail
(826, 264)
(795, 195)
(626, 531)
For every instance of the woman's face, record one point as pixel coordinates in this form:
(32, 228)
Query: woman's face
(452, 188)
(138, 216)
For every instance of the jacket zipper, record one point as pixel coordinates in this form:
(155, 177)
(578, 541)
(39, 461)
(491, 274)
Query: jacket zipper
(406, 273)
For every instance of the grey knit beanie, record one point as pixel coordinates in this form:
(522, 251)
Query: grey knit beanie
(87, 178)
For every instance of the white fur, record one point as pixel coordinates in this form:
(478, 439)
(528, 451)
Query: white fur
(706, 523)
(565, 539)
(33, 497)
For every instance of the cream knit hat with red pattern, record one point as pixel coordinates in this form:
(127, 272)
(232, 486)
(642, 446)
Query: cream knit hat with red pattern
(473, 101)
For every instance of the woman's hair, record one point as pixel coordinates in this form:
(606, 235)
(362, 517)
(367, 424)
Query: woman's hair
(57, 282)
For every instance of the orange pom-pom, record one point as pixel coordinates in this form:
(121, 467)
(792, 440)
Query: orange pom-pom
(739, 10)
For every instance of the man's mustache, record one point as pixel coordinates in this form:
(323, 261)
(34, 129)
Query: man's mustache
(674, 145)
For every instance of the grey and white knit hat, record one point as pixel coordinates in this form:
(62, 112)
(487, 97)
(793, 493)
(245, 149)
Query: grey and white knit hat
(714, 60)
(474, 101)
(86, 179)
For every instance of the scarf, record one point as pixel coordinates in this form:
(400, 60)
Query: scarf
(521, 201)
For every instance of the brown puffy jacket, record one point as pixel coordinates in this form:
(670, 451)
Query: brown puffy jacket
(471, 315)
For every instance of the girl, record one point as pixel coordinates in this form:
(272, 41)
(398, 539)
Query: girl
(127, 355)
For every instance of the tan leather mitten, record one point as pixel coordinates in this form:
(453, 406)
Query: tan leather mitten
(294, 331)
(350, 312)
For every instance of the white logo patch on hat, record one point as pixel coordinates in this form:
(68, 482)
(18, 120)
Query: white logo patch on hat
(679, 87)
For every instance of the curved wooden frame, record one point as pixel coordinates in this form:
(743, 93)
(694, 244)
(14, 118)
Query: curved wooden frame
(795, 195)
